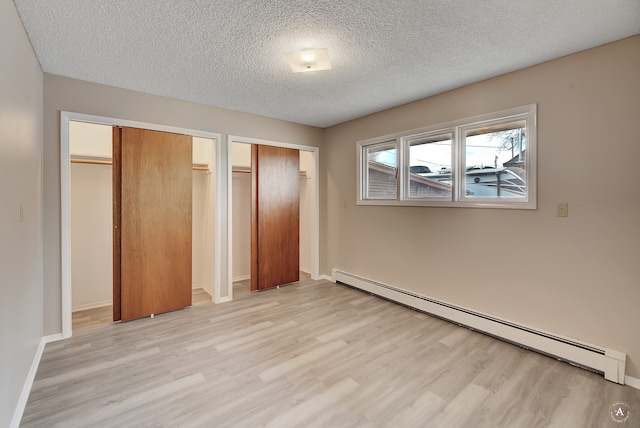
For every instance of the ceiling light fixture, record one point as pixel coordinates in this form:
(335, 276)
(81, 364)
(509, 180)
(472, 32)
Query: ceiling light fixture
(309, 60)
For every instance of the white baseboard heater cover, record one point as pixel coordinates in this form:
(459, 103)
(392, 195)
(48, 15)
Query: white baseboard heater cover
(609, 362)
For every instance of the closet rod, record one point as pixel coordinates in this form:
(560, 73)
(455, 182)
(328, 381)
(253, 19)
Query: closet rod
(195, 167)
(248, 170)
(108, 162)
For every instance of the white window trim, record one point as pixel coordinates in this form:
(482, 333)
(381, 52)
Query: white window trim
(455, 128)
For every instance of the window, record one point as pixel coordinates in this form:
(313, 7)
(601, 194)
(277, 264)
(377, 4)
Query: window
(381, 171)
(485, 161)
(494, 161)
(429, 174)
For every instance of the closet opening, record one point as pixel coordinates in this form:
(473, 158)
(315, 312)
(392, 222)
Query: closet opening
(86, 214)
(90, 147)
(241, 195)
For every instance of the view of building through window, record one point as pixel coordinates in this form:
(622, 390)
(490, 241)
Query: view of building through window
(382, 175)
(495, 164)
(430, 167)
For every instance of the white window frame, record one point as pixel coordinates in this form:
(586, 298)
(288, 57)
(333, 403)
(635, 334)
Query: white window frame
(457, 130)
(405, 143)
(365, 176)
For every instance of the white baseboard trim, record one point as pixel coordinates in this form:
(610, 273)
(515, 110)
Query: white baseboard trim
(28, 384)
(206, 290)
(632, 382)
(594, 357)
(53, 338)
(92, 305)
(328, 278)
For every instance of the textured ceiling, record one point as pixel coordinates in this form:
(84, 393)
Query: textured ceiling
(229, 53)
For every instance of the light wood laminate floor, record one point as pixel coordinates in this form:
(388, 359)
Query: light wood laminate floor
(312, 354)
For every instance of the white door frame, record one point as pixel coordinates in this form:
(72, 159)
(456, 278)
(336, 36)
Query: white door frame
(65, 201)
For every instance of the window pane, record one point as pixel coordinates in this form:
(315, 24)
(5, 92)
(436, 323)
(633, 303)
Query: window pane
(382, 163)
(495, 161)
(430, 167)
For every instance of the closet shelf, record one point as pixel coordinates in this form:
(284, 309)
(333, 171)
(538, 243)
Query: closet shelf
(108, 161)
(196, 166)
(246, 169)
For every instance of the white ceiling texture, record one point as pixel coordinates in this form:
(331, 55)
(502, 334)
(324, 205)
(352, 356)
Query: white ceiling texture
(230, 53)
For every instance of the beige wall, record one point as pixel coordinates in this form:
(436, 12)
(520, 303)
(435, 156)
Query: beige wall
(20, 185)
(577, 276)
(64, 94)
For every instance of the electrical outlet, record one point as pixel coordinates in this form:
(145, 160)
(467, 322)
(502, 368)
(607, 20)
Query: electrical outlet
(562, 209)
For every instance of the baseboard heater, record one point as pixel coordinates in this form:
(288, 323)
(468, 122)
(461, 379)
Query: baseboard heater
(596, 358)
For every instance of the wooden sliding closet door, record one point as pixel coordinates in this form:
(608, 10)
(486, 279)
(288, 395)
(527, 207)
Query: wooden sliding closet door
(275, 216)
(152, 181)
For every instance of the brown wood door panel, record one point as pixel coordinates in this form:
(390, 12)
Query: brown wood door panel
(155, 224)
(275, 216)
(116, 195)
